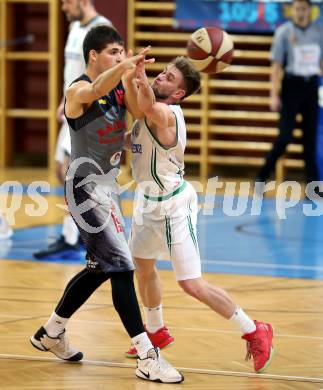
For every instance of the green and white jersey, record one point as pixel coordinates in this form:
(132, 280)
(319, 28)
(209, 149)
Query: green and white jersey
(158, 170)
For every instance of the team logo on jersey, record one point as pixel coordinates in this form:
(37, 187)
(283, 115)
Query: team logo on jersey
(136, 129)
(119, 95)
(115, 158)
(112, 132)
(116, 221)
(136, 148)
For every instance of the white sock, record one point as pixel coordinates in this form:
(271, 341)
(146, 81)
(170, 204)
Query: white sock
(142, 344)
(244, 322)
(55, 325)
(70, 230)
(154, 318)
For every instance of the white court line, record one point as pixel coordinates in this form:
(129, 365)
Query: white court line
(183, 328)
(14, 316)
(216, 262)
(183, 369)
(262, 265)
(205, 330)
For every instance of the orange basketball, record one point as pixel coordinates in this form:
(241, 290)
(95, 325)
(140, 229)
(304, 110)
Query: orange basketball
(210, 49)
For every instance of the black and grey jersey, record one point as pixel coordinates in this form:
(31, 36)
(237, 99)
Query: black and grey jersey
(97, 136)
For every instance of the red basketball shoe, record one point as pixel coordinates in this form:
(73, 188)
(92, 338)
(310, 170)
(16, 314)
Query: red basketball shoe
(160, 339)
(260, 346)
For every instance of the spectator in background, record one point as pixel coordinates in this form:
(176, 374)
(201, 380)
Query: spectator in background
(297, 51)
(5, 229)
(82, 16)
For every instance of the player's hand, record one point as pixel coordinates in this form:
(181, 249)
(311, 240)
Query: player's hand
(275, 103)
(134, 61)
(141, 74)
(140, 57)
(144, 52)
(130, 73)
(131, 61)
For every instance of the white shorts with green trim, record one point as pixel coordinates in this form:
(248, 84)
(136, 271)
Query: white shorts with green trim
(166, 229)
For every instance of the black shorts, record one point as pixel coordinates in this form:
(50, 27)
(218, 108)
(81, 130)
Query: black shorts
(96, 212)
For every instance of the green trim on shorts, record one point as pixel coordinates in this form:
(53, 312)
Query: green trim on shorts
(168, 233)
(190, 226)
(168, 196)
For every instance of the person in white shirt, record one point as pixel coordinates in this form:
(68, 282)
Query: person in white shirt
(5, 229)
(297, 61)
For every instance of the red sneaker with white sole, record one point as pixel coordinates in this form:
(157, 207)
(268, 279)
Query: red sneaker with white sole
(260, 346)
(161, 339)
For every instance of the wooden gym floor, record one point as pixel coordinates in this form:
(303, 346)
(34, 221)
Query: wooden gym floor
(207, 348)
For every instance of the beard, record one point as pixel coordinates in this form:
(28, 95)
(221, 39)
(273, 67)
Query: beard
(79, 15)
(159, 95)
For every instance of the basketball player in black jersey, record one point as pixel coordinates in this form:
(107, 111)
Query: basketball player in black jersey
(95, 109)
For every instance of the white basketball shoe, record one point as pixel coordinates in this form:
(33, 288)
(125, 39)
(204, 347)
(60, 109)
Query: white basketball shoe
(155, 368)
(59, 345)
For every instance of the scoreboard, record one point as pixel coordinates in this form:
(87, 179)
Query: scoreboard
(237, 16)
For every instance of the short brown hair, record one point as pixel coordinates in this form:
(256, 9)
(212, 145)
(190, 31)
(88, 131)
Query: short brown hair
(192, 78)
(305, 1)
(98, 38)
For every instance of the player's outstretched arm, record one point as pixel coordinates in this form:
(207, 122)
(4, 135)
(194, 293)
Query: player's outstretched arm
(159, 116)
(131, 88)
(85, 93)
(157, 113)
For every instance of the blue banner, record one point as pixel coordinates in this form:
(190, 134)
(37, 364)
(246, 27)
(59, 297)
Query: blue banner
(236, 16)
(319, 145)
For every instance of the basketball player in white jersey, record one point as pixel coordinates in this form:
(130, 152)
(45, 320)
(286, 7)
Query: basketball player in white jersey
(164, 220)
(82, 16)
